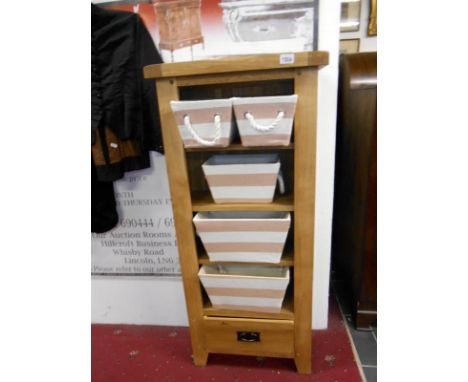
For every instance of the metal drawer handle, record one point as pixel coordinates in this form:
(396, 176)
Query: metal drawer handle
(248, 336)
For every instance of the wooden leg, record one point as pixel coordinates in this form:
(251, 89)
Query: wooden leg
(365, 319)
(200, 358)
(191, 51)
(305, 83)
(167, 91)
(303, 363)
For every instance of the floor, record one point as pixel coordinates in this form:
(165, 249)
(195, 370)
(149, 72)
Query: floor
(134, 353)
(365, 342)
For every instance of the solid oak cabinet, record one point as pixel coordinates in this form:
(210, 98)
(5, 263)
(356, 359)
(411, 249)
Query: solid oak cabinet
(286, 333)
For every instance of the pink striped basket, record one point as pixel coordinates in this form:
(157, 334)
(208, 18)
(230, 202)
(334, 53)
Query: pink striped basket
(249, 288)
(243, 178)
(206, 123)
(265, 121)
(243, 236)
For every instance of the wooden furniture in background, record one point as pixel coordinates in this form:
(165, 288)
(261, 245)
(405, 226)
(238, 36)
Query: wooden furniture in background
(287, 333)
(372, 26)
(179, 24)
(354, 248)
(349, 45)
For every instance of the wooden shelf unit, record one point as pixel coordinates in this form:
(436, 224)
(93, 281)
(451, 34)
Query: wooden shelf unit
(288, 332)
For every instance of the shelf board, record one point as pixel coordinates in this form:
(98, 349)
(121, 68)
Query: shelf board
(286, 261)
(202, 201)
(239, 147)
(286, 312)
(234, 64)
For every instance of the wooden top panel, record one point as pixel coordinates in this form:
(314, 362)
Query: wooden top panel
(232, 64)
(359, 70)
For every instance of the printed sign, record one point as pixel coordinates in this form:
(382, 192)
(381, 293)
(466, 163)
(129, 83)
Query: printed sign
(199, 29)
(144, 241)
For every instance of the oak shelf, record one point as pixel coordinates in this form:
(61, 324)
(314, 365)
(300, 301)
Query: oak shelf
(239, 147)
(286, 312)
(202, 201)
(287, 260)
(286, 333)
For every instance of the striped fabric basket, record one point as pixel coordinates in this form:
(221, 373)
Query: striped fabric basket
(243, 178)
(265, 121)
(248, 288)
(204, 123)
(244, 236)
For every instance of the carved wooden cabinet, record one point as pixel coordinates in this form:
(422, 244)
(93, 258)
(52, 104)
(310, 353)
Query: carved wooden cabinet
(179, 24)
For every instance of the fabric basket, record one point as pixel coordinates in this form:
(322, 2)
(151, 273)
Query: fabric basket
(243, 178)
(249, 288)
(206, 123)
(265, 121)
(244, 236)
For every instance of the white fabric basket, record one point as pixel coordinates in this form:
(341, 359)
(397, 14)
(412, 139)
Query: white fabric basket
(242, 178)
(206, 123)
(244, 236)
(248, 288)
(265, 121)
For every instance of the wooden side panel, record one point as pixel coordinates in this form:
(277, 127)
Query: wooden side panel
(304, 207)
(276, 337)
(354, 244)
(182, 207)
(366, 312)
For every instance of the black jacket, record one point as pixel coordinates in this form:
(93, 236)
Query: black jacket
(123, 104)
(124, 114)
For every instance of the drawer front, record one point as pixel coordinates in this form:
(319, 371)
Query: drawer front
(247, 336)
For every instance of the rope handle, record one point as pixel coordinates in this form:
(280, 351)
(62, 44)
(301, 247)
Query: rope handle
(262, 128)
(281, 186)
(200, 140)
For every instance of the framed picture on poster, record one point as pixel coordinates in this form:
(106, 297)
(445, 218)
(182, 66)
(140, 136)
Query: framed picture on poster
(372, 27)
(349, 46)
(350, 15)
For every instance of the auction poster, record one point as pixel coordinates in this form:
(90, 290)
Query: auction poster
(226, 27)
(144, 241)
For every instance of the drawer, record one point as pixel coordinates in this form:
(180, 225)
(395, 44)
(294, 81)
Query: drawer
(248, 336)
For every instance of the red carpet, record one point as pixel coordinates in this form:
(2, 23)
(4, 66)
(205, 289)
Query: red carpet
(134, 353)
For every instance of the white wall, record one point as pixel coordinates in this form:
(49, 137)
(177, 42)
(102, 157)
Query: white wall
(367, 43)
(329, 20)
(159, 301)
(138, 300)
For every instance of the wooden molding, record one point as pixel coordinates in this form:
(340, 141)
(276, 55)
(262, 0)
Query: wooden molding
(372, 27)
(235, 64)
